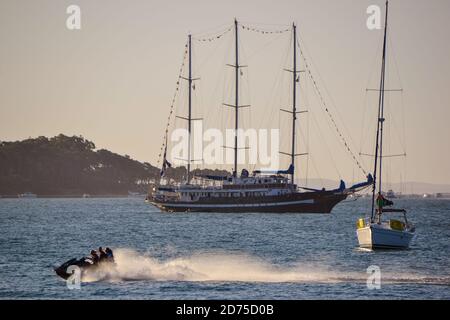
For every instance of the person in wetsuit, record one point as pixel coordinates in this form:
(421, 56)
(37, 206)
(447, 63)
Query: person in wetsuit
(94, 257)
(102, 254)
(109, 255)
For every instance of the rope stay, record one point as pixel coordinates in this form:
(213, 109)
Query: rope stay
(264, 31)
(214, 37)
(322, 100)
(177, 87)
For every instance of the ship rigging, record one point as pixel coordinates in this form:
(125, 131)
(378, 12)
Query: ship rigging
(260, 191)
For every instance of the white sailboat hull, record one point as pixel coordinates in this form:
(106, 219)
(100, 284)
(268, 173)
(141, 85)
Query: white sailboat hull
(376, 236)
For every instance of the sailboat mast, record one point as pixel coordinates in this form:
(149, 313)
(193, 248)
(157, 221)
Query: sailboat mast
(236, 122)
(189, 112)
(382, 95)
(380, 120)
(294, 97)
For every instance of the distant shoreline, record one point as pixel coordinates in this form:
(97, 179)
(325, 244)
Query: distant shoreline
(74, 196)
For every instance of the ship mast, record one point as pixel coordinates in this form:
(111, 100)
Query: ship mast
(189, 118)
(294, 97)
(236, 110)
(380, 120)
(190, 111)
(294, 111)
(236, 105)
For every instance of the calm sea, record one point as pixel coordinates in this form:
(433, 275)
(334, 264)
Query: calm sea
(216, 256)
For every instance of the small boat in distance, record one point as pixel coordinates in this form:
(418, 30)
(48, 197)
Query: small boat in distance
(132, 194)
(373, 232)
(391, 194)
(27, 195)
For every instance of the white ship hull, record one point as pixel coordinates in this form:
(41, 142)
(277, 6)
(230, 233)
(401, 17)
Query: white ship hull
(377, 236)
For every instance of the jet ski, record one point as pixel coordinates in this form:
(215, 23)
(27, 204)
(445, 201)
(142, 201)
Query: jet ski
(85, 264)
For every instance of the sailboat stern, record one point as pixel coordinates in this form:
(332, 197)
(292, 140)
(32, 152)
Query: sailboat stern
(364, 235)
(380, 236)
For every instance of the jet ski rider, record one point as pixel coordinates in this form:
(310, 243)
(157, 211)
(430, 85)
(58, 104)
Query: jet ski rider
(94, 257)
(103, 256)
(109, 255)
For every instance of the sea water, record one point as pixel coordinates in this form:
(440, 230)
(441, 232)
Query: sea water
(215, 255)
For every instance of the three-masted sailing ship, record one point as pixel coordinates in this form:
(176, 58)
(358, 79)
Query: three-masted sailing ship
(374, 233)
(259, 191)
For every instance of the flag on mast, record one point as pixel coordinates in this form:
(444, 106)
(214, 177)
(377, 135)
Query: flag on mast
(165, 163)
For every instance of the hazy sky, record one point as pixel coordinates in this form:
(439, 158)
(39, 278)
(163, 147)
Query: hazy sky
(113, 80)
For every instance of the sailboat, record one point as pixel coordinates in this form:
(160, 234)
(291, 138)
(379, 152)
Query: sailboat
(259, 191)
(376, 233)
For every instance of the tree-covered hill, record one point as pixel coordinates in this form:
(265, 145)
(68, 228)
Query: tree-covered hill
(65, 165)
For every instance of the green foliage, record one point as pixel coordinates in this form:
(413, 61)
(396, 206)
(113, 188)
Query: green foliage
(65, 165)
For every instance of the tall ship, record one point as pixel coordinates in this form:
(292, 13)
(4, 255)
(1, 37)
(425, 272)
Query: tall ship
(244, 191)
